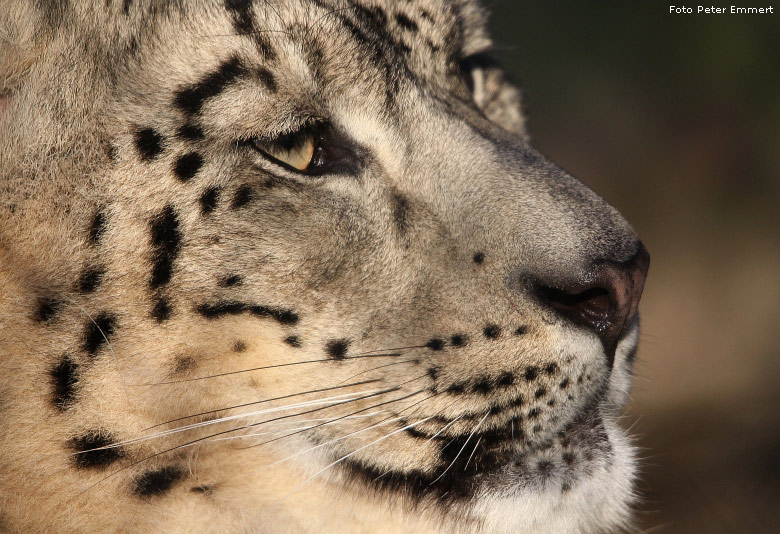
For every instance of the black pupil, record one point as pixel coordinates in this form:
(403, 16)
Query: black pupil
(290, 141)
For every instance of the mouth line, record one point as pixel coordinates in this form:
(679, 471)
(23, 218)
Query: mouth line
(469, 461)
(500, 457)
(504, 420)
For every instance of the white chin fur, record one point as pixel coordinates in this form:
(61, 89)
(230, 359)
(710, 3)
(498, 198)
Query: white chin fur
(598, 502)
(622, 373)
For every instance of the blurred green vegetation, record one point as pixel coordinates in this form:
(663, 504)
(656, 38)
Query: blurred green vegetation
(656, 85)
(675, 119)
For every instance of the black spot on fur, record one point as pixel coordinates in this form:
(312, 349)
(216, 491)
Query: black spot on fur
(534, 413)
(564, 383)
(187, 166)
(482, 386)
(433, 372)
(208, 200)
(540, 393)
(479, 257)
(371, 15)
(403, 47)
(47, 309)
(191, 99)
(456, 388)
(98, 332)
(241, 8)
(459, 340)
(401, 213)
(166, 241)
(293, 341)
(491, 331)
(281, 315)
(413, 432)
(158, 481)
(551, 368)
(97, 228)
(132, 47)
(53, 12)
(126, 6)
(111, 152)
(545, 467)
(435, 344)
(520, 330)
(203, 490)
(506, 379)
(162, 310)
(405, 22)
(183, 364)
(337, 348)
(244, 24)
(531, 373)
(242, 197)
(190, 132)
(231, 280)
(221, 309)
(372, 34)
(64, 377)
(239, 346)
(266, 77)
(92, 459)
(89, 280)
(149, 143)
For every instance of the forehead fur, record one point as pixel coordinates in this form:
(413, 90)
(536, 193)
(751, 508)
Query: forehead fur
(142, 49)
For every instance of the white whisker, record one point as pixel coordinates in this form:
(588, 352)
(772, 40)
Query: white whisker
(461, 449)
(444, 428)
(334, 440)
(327, 401)
(472, 453)
(407, 427)
(328, 420)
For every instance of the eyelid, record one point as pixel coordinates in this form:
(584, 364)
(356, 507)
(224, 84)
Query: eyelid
(266, 149)
(293, 127)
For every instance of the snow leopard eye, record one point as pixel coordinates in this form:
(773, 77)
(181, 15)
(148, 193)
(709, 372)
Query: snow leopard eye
(296, 151)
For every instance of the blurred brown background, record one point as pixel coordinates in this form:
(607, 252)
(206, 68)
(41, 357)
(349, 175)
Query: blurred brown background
(676, 121)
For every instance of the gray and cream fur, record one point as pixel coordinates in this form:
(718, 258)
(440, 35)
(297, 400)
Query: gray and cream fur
(196, 338)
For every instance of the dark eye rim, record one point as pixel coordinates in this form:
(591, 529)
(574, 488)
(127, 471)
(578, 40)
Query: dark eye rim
(335, 152)
(317, 164)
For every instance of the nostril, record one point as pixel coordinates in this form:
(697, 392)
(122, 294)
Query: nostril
(603, 298)
(594, 308)
(591, 305)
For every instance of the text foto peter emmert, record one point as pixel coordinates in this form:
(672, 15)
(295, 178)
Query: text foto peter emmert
(712, 10)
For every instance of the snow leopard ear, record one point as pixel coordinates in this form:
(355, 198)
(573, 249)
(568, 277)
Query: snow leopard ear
(498, 98)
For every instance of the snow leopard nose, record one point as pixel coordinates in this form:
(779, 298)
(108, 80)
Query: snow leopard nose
(603, 298)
